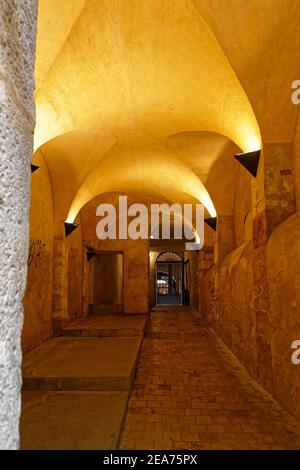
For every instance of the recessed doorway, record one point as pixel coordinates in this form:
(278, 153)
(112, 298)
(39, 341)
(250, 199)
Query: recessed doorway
(108, 282)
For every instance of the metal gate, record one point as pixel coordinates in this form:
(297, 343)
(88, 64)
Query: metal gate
(169, 283)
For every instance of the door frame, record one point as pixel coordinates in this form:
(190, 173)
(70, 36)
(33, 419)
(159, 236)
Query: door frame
(157, 263)
(113, 252)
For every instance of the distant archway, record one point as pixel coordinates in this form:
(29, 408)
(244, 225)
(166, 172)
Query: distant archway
(169, 279)
(169, 256)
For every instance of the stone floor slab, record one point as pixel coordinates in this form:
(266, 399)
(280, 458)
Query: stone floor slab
(81, 364)
(71, 420)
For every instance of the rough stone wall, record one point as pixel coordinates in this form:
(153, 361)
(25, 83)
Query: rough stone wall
(235, 319)
(252, 302)
(261, 337)
(17, 48)
(38, 296)
(283, 261)
(251, 298)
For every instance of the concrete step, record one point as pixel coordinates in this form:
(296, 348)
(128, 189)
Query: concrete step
(107, 326)
(71, 420)
(66, 363)
(100, 309)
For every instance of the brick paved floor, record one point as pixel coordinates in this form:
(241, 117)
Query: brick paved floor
(190, 392)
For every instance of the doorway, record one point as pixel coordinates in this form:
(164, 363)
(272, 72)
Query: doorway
(169, 279)
(108, 282)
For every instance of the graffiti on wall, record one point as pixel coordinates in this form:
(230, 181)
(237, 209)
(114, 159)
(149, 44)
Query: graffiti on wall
(36, 252)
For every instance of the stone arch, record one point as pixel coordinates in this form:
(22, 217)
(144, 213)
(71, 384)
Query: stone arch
(168, 256)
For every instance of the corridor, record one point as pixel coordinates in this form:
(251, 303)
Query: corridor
(190, 392)
(149, 224)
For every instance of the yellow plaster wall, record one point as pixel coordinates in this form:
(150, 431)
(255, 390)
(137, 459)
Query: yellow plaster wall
(38, 295)
(135, 257)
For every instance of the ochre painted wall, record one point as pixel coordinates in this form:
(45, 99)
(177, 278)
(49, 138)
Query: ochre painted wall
(75, 273)
(38, 295)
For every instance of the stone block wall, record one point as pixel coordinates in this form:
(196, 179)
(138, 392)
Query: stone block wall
(259, 335)
(283, 261)
(251, 299)
(38, 296)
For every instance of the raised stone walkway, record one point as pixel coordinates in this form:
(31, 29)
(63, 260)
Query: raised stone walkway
(76, 387)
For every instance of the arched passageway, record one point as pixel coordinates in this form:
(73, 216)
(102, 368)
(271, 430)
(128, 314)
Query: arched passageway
(140, 109)
(169, 279)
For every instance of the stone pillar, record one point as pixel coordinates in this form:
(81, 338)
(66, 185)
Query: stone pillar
(60, 282)
(17, 118)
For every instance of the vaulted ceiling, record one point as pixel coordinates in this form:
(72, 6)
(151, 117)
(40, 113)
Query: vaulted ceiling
(146, 95)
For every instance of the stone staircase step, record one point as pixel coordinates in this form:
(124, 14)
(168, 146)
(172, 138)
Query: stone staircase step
(71, 420)
(67, 363)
